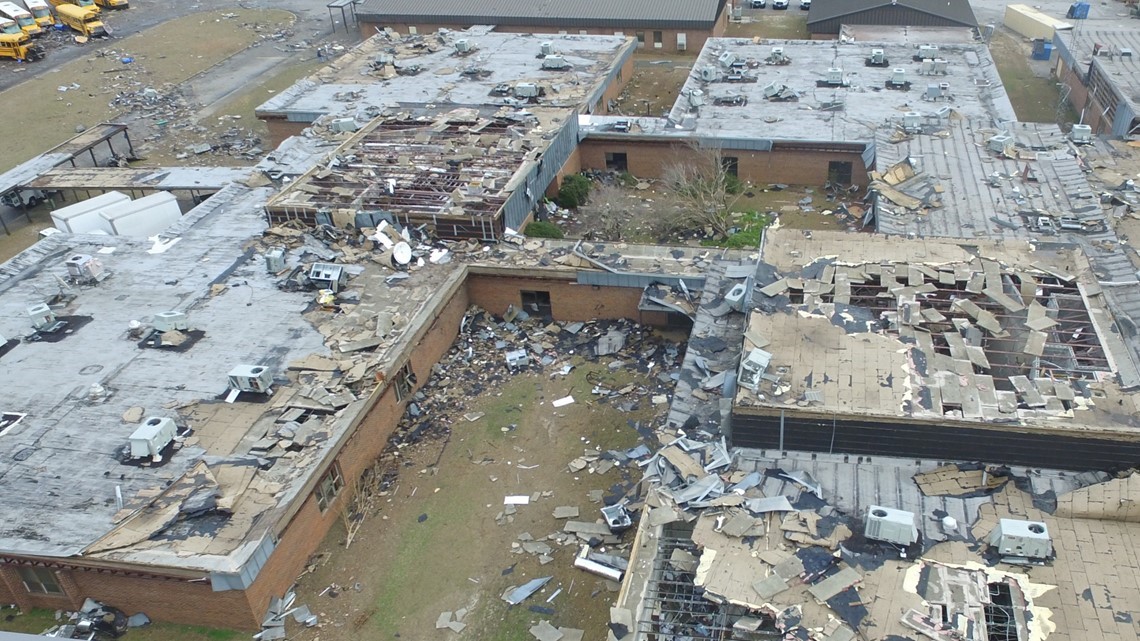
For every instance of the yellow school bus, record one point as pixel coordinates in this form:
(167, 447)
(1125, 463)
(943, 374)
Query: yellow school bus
(41, 11)
(19, 46)
(22, 17)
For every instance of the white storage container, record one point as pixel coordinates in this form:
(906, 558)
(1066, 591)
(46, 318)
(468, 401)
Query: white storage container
(83, 217)
(144, 217)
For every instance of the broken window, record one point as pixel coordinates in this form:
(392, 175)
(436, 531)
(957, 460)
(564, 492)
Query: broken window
(329, 486)
(617, 161)
(405, 381)
(537, 304)
(641, 38)
(658, 39)
(731, 165)
(839, 172)
(40, 581)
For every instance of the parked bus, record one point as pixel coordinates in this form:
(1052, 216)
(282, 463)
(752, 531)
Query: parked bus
(19, 45)
(86, 4)
(113, 4)
(13, 11)
(41, 11)
(10, 27)
(81, 19)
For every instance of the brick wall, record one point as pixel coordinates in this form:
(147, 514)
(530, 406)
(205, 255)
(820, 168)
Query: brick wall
(1079, 96)
(494, 291)
(694, 38)
(280, 129)
(649, 159)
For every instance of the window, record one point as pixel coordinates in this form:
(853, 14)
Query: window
(537, 303)
(412, 30)
(583, 32)
(620, 34)
(641, 38)
(617, 161)
(658, 39)
(329, 486)
(405, 382)
(839, 172)
(682, 42)
(40, 581)
(731, 165)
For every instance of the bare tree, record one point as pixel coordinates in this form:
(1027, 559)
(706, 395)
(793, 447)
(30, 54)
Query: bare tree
(704, 189)
(609, 214)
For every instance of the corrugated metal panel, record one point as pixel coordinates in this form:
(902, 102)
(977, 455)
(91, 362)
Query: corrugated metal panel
(890, 15)
(582, 13)
(302, 116)
(638, 281)
(952, 12)
(1122, 123)
(222, 581)
(531, 191)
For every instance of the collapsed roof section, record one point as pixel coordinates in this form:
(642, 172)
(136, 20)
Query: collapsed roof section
(988, 333)
(466, 173)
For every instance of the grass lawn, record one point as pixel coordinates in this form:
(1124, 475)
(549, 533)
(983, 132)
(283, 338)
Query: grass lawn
(37, 621)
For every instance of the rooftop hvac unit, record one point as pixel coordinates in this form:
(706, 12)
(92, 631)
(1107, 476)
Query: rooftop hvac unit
(892, 526)
(517, 358)
(1125, 52)
(152, 437)
(555, 62)
(341, 125)
(526, 90)
(944, 112)
(940, 65)
(771, 89)
(927, 67)
(778, 51)
(735, 297)
(546, 48)
(275, 260)
(328, 276)
(933, 91)
(944, 88)
(878, 57)
(752, 367)
(912, 121)
(168, 321)
(463, 45)
(1018, 540)
(251, 378)
(85, 269)
(927, 51)
(834, 76)
(1081, 133)
(998, 143)
(726, 59)
(696, 98)
(42, 316)
(709, 73)
(898, 76)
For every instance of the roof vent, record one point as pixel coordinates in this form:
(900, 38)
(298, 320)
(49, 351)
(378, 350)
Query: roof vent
(892, 526)
(709, 73)
(1021, 542)
(546, 48)
(1081, 134)
(696, 98)
(735, 297)
(555, 63)
(726, 59)
(251, 378)
(998, 143)
(151, 438)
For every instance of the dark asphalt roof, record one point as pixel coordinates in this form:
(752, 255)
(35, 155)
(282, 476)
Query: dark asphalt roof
(579, 13)
(956, 10)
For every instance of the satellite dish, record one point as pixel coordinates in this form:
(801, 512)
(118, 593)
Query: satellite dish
(402, 253)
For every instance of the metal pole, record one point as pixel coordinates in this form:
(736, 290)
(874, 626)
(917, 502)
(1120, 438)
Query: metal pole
(781, 432)
(831, 448)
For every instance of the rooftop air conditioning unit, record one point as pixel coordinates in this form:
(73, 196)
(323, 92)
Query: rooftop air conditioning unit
(771, 89)
(834, 76)
(328, 276)
(170, 321)
(526, 90)
(42, 316)
(891, 526)
(1081, 133)
(998, 143)
(342, 125)
(555, 62)
(251, 378)
(940, 65)
(696, 98)
(933, 92)
(152, 437)
(463, 45)
(735, 297)
(927, 51)
(709, 73)
(275, 260)
(777, 51)
(1023, 541)
(898, 76)
(944, 89)
(726, 59)
(546, 48)
(912, 121)
(944, 112)
(85, 268)
(927, 67)
(1125, 52)
(878, 57)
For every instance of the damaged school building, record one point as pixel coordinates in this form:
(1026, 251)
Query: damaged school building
(184, 415)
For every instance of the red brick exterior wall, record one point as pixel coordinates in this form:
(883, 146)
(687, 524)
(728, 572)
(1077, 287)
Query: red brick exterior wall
(650, 158)
(187, 597)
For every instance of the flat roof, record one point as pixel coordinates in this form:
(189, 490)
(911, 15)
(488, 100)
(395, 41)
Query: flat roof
(973, 331)
(820, 113)
(914, 36)
(1123, 72)
(357, 85)
(147, 178)
(576, 13)
(952, 10)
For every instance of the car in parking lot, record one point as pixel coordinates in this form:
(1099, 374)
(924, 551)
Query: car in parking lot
(805, 5)
(759, 4)
(779, 4)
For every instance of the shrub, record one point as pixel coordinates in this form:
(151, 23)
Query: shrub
(542, 229)
(574, 191)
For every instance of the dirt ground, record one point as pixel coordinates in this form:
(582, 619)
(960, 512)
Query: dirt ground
(771, 24)
(433, 544)
(1032, 91)
(656, 82)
